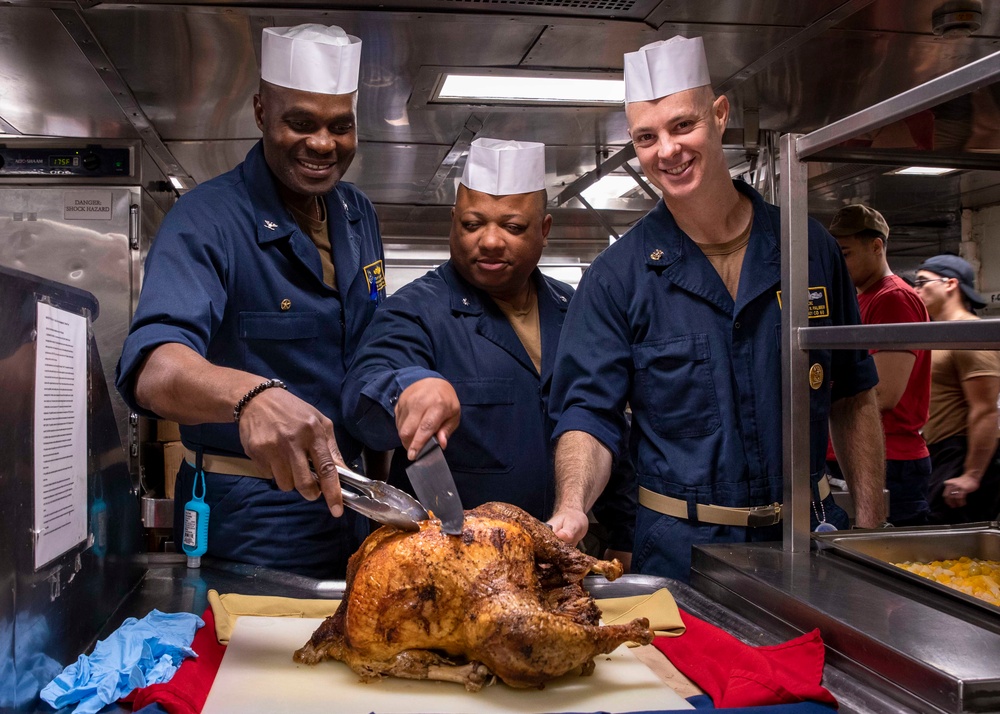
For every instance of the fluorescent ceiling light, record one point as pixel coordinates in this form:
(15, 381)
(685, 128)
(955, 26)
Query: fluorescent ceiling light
(923, 171)
(530, 89)
(609, 188)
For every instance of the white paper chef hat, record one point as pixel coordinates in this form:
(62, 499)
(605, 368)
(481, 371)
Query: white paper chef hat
(665, 67)
(501, 167)
(310, 57)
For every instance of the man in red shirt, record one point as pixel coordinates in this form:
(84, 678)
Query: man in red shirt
(904, 386)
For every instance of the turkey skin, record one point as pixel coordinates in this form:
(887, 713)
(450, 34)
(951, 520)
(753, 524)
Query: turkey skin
(502, 599)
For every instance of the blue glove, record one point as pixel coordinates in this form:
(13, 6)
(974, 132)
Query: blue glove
(137, 654)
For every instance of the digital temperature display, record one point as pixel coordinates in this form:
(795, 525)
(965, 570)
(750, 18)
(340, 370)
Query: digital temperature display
(64, 161)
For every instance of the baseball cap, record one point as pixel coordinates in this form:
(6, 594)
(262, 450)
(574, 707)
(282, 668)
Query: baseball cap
(854, 219)
(951, 266)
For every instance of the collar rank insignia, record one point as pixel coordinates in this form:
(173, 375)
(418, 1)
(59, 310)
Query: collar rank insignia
(656, 254)
(270, 225)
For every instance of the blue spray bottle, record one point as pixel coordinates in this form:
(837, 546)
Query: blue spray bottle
(196, 521)
(99, 520)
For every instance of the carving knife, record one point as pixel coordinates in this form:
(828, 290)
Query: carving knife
(435, 487)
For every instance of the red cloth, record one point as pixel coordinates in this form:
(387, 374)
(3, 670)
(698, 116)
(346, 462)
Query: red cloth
(891, 300)
(187, 690)
(737, 675)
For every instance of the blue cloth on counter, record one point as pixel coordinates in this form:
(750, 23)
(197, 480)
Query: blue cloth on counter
(151, 709)
(703, 701)
(137, 654)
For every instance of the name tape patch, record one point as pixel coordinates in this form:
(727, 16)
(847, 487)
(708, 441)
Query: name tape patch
(819, 306)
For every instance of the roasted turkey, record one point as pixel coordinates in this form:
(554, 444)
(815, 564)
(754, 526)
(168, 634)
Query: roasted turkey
(502, 599)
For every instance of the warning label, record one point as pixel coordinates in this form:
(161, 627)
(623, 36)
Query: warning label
(87, 205)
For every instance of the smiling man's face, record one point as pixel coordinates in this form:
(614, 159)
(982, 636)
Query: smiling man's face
(678, 140)
(309, 138)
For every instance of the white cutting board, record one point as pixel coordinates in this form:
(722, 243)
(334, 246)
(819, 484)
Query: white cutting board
(258, 675)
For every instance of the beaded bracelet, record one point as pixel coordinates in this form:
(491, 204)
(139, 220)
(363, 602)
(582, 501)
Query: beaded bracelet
(238, 409)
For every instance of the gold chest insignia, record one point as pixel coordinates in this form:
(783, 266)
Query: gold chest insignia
(816, 376)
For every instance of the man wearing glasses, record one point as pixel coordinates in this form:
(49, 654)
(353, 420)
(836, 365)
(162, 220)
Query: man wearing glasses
(961, 431)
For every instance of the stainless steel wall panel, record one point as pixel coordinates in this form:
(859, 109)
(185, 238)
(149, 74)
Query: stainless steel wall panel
(207, 159)
(384, 115)
(390, 173)
(47, 85)
(194, 75)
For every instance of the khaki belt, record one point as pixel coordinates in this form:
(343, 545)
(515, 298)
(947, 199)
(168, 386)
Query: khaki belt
(752, 517)
(233, 465)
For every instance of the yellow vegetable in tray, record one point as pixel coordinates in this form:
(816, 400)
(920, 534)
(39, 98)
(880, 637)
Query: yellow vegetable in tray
(972, 576)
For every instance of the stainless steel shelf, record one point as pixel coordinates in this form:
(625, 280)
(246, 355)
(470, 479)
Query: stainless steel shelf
(957, 335)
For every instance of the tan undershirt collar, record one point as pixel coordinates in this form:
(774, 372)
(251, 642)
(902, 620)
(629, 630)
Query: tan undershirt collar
(319, 234)
(526, 324)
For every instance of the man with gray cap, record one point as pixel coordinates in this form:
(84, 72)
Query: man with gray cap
(256, 292)
(903, 389)
(961, 431)
(681, 319)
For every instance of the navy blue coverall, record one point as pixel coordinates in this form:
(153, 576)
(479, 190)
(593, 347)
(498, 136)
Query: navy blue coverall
(441, 326)
(232, 276)
(652, 324)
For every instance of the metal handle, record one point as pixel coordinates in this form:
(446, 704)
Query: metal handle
(356, 480)
(133, 226)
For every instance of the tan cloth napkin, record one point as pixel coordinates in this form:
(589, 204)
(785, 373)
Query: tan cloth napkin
(659, 607)
(228, 607)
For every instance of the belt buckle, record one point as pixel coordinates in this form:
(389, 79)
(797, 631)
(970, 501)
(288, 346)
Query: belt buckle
(760, 516)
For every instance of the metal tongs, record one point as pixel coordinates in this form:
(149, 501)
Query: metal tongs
(381, 502)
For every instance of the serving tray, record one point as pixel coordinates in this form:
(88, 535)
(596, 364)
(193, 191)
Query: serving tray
(879, 549)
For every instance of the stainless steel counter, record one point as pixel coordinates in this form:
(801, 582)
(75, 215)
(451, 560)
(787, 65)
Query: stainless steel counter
(921, 649)
(170, 587)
